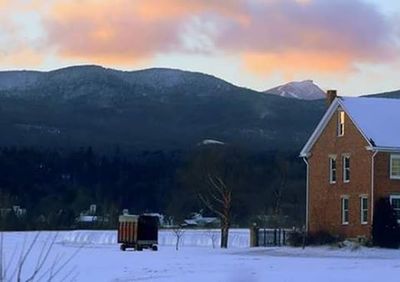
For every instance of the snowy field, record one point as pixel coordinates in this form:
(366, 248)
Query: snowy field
(95, 256)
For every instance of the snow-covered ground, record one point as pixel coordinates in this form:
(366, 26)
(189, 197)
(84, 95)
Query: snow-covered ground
(95, 256)
(238, 238)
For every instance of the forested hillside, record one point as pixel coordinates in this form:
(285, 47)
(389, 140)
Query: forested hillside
(88, 135)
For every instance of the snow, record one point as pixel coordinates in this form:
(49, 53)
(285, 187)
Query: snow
(101, 260)
(211, 142)
(87, 218)
(377, 118)
(239, 238)
(305, 90)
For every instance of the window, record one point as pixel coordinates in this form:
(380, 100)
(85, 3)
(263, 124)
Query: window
(341, 119)
(332, 169)
(346, 169)
(395, 202)
(364, 209)
(345, 210)
(395, 166)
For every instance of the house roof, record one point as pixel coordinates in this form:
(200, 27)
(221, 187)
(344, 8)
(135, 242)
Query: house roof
(377, 119)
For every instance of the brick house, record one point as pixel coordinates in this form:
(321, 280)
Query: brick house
(353, 159)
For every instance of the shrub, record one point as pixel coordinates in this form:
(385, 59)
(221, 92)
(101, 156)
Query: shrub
(296, 238)
(322, 238)
(385, 229)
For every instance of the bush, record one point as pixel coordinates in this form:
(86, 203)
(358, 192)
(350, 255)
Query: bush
(296, 238)
(385, 229)
(322, 238)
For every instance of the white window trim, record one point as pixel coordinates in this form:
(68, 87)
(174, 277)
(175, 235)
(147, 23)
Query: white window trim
(362, 209)
(340, 129)
(394, 197)
(331, 158)
(344, 167)
(392, 157)
(343, 210)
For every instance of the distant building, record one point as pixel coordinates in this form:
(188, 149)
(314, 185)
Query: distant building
(197, 220)
(17, 210)
(353, 159)
(89, 217)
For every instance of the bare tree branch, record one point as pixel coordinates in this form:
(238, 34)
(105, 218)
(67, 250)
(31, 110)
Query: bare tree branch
(1, 257)
(221, 195)
(69, 273)
(216, 199)
(207, 203)
(66, 262)
(8, 266)
(178, 232)
(43, 258)
(216, 186)
(25, 256)
(58, 265)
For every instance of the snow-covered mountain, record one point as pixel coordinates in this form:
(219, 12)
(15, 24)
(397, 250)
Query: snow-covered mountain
(152, 109)
(304, 90)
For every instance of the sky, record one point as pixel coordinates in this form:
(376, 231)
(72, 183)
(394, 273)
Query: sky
(349, 45)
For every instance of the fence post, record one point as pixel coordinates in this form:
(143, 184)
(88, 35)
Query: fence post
(254, 235)
(279, 236)
(265, 237)
(284, 238)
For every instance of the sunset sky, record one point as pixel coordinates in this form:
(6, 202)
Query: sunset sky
(349, 45)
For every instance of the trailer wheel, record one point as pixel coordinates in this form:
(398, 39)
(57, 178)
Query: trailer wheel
(139, 248)
(123, 247)
(154, 247)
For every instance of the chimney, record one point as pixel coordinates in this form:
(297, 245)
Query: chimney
(330, 96)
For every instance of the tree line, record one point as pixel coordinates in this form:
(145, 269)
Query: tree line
(55, 185)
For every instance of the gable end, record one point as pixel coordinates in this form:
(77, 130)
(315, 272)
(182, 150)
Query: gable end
(305, 152)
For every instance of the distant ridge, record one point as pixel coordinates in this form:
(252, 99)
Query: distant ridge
(151, 109)
(391, 94)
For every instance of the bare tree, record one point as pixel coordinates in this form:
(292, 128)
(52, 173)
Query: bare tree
(218, 199)
(282, 167)
(44, 269)
(212, 234)
(178, 231)
(217, 177)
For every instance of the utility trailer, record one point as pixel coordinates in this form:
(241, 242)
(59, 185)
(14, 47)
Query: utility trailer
(138, 232)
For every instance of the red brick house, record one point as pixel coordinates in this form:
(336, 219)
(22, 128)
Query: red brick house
(353, 159)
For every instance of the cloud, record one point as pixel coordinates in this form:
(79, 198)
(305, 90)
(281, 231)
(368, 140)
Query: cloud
(19, 45)
(287, 36)
(126, 31)
(314, 35)
(294, 63)
(23, 57)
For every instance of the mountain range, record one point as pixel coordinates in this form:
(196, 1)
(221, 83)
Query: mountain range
(152, 109)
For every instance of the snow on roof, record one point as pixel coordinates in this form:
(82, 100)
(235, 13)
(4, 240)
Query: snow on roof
(377, 118)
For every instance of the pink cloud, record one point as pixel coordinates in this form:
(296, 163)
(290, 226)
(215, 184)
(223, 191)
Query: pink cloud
(323, 31)
(289, 35)
(125, 31)
(16, 50)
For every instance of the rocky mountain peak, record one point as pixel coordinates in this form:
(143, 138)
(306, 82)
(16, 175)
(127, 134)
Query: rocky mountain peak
(304, 90)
